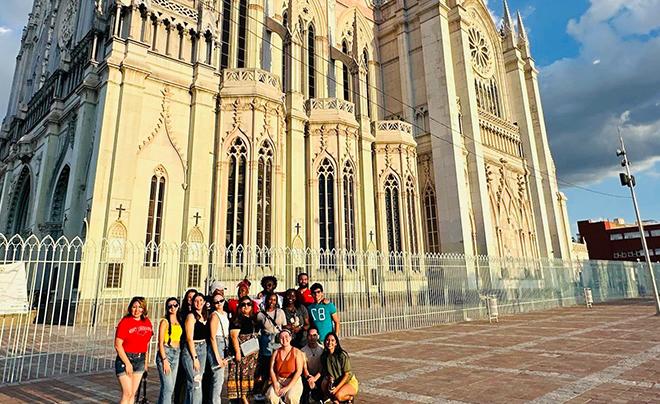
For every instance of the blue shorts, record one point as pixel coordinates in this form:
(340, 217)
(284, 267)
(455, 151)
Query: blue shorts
(137, 361)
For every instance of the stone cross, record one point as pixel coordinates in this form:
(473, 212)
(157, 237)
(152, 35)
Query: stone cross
(197, 217)
(120, 209)
(297, 226)
(371, 236)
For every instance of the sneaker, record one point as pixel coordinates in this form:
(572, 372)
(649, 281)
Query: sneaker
(259, 397)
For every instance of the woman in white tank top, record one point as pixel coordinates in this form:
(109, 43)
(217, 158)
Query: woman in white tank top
(218, 347)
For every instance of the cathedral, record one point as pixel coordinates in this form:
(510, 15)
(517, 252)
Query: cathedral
(398, 126)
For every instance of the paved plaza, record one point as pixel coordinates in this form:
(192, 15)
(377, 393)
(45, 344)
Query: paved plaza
(609, 353)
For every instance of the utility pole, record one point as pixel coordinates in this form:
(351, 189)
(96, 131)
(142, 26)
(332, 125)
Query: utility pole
(628, 180)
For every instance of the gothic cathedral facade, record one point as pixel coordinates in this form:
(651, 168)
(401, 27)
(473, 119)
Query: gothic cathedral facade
(410, 126)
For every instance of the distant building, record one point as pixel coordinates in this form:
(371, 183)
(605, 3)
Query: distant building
(580, 251)
(617, 240)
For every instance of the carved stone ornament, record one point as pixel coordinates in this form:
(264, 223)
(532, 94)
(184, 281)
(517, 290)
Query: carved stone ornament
(70, 11)
(164, 123)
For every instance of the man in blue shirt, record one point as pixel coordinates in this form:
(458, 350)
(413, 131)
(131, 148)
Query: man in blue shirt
(323, 312)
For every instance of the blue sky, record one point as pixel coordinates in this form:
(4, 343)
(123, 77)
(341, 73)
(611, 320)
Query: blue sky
(599, 63)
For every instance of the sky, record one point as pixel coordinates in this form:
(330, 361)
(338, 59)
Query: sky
(599, 64)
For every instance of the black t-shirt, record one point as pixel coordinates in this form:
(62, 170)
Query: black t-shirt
(245, 324)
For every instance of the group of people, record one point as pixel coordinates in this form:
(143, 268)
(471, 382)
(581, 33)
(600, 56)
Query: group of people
(275, 346)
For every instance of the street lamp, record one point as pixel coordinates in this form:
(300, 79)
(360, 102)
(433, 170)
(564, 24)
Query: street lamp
(628, 180)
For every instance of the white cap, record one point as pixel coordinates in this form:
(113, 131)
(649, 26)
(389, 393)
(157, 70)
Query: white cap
(215, 285)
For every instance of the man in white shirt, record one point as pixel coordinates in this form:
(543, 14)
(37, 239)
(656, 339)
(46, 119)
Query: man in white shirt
(312, 367)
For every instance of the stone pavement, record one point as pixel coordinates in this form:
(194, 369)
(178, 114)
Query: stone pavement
(609, 353)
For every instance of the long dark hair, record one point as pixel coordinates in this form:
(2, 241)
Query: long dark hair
(205, 310)
(167, 316)
(338, 349)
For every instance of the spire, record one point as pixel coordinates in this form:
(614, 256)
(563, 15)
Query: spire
(507, 23)
(522, 33)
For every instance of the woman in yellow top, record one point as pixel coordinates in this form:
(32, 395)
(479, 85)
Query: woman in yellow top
(169, 340)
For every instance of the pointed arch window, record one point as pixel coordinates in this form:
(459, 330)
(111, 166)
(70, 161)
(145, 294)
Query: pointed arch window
(226, 27)
(349, 207)
(392, 214)
(365, 60)
(236, 190)
(326, 177)
(242, 33)
(311, 65)
(345, 74)
(21, 202)
(430, 218)
(154, 219)
(412, 215)
(59, 196)
(116, 252)
(264, 201)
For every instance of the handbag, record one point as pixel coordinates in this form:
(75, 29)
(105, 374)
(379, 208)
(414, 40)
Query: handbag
(250, 346)
(274, 343)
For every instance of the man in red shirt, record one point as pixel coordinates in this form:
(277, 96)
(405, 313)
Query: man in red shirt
(304, 294)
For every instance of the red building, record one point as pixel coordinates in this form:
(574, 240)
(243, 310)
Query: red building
(616, 240)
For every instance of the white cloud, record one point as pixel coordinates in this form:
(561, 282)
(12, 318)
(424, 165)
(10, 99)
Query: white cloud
(4, 30)
(585, 102)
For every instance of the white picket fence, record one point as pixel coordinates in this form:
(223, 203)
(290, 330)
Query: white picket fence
(74, 292)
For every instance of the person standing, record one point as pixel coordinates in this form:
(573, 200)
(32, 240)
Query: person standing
(312, 352)
(323, 313)
(218, 345)
(242, 329)
(286, 366)
(132, 337)
(297, 318)
(215, 287)
(243, 290)
(184, 310)
(169, 340)
(268, 284)
(194, 357)
(304, 294)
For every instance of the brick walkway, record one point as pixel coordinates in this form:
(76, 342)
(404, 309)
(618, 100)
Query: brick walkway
(606, 354)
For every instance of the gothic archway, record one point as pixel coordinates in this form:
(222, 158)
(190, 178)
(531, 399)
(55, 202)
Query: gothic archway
(59, 196)
(19, 211)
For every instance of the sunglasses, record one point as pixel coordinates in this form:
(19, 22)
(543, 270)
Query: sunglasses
(172, 306)
(245, 305)
(218, 301)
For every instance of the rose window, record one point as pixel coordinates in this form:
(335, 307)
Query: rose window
(479, 52)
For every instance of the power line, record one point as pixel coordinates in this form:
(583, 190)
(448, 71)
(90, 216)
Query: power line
(460, 147)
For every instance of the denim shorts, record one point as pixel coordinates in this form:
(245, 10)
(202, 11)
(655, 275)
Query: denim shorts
(137, 361)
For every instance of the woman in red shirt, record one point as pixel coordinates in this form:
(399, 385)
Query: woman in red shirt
(132, 338)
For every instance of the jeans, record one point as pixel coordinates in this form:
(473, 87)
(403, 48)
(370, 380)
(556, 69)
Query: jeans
(167, 381)
(219, 373)
(194, 378)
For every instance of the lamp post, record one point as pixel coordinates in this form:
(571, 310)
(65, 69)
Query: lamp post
(628, 180)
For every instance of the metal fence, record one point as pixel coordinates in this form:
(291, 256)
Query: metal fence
(68, 295)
